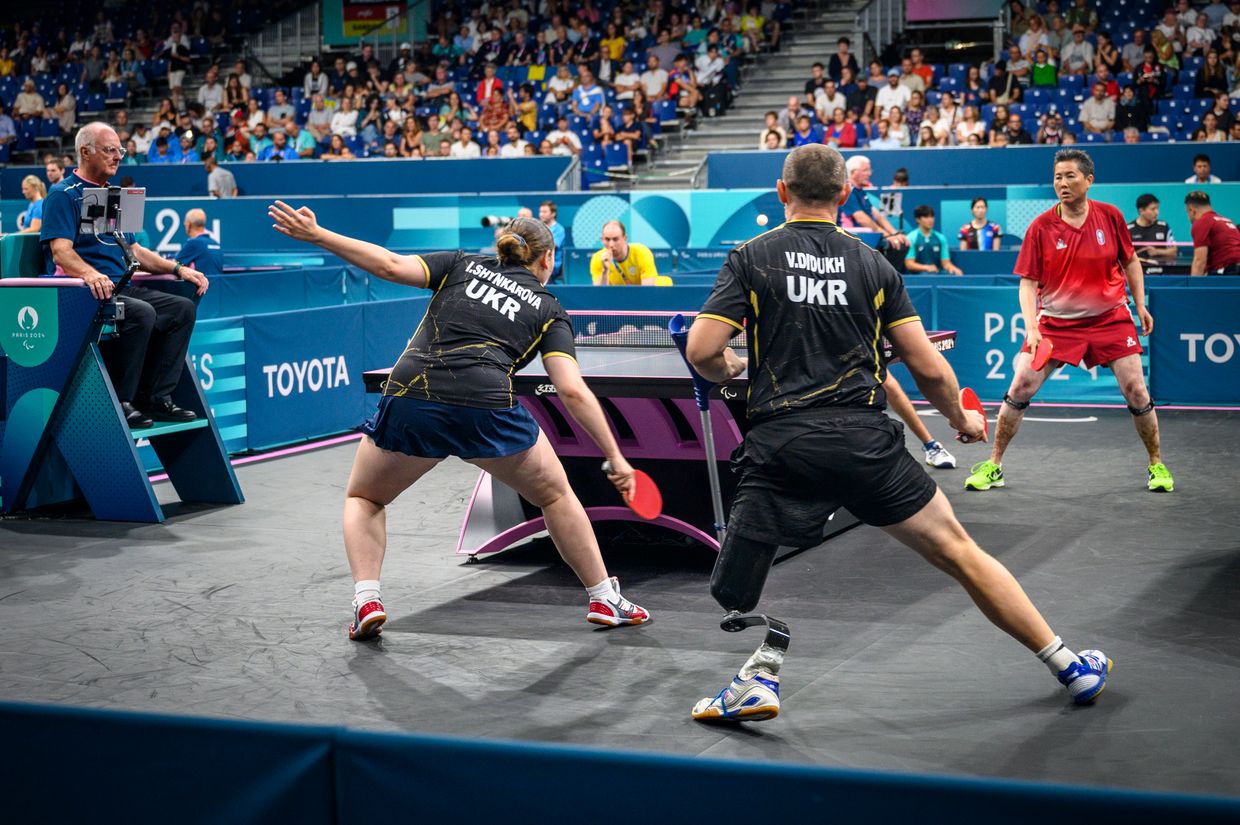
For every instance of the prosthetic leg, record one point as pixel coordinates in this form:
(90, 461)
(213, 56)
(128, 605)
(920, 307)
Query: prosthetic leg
(736, 583)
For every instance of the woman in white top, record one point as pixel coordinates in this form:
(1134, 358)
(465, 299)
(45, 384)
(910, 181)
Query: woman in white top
(65, 109)
(949, 113)
(897, 127)
(935, 122)
(254, 115)
(970, 124)
(344, 122)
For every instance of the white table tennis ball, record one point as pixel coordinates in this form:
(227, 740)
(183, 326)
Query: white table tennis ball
(762, 219)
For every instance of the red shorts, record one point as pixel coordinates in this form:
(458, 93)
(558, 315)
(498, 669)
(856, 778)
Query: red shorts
(1099, 339)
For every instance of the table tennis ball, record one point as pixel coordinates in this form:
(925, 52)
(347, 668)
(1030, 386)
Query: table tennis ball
(762, 219)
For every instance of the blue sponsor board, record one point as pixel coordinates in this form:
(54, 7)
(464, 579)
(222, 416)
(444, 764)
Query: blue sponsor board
(303, 374)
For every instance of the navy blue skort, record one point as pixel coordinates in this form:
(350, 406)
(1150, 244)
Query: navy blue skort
(429, 429)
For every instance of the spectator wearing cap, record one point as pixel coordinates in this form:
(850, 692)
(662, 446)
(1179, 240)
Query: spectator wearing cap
(1077, 56)
(893, 94)
(403, 63)
(861, 100)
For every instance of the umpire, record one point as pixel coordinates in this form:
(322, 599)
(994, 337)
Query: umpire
(145, 359)
(815, 303)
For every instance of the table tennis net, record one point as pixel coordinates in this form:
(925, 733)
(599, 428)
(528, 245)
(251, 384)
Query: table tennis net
(642, 330)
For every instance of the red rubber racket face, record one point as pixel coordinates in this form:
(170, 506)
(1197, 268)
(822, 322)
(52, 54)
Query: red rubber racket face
(970, 401)
(1042, 354)
(646, 500)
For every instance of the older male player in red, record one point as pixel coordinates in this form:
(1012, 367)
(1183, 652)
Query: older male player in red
(1074, 264)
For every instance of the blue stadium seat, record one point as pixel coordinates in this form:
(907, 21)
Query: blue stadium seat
(1040, 95)
(49, 127)
(1124, 79)
(1183, 91)
(1094, 137)
(1073, 82)
(591, 152)
(665, 110)
(199, 47)
(933, 97)
(159, 68)
(535, 137)
(616, 156)
(960, 71)
(118, 92)
(1157, 137)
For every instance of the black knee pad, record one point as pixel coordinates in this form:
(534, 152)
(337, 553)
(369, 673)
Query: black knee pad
(740, 572)
(1014, 404)
(1138, 411)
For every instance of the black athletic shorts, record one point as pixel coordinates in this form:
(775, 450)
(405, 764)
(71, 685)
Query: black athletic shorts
(798, 468)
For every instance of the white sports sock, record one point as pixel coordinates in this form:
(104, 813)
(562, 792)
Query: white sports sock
(366, 590)
(603, 591)
(1057, 657)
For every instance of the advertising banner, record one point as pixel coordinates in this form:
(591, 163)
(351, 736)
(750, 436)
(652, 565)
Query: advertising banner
(1195, 349)
(302, 374)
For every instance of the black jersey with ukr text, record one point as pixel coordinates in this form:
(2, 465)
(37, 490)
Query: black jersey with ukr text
(485, 322)
(815, 302)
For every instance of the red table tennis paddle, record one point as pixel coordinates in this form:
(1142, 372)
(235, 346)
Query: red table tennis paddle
(1042, 354)
(970, 401)
(646, 499)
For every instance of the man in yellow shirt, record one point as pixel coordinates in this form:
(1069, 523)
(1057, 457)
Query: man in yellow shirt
(620, 263)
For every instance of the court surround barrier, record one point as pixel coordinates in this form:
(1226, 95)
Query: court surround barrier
(279, 378)
(140, 767)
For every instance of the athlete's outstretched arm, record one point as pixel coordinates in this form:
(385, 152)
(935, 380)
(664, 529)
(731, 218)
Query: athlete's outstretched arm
(934, 376)
(586, 411)
(302, 225)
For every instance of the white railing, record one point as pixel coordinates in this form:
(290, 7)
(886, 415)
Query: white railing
(279, 46)
(878, 23)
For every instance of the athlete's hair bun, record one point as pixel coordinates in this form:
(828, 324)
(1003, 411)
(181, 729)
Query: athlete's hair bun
(524, 241)
(513, 249)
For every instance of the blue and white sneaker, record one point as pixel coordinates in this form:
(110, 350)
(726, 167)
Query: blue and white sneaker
(938, 457)
(1087, 678)
(744, 700)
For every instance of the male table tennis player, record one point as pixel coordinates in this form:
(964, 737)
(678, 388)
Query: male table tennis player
(815, 303)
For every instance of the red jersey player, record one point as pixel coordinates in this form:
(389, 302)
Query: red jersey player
(1074, 264)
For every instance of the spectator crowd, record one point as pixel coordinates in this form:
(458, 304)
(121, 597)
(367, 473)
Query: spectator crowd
(1077, 71)
(499, 79)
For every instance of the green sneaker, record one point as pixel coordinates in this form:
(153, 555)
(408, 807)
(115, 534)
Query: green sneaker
(1160, 479)
(987, 474)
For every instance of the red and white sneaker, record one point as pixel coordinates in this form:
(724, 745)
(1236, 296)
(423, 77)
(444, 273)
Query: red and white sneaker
(368, 619)
(617, 612)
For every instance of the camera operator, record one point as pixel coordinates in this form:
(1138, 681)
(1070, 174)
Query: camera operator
(146, 357)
